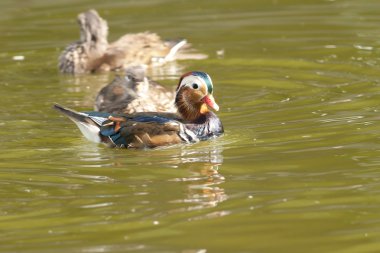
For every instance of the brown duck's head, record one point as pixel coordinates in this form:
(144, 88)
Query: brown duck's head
(93, 29)
(194, 95)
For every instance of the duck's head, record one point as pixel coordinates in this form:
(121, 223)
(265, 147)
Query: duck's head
(93, 29)
(194, 95)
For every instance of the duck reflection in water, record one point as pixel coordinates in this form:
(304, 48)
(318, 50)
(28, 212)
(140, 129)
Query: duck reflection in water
(204, 182)
(193, 175)
(203, 186)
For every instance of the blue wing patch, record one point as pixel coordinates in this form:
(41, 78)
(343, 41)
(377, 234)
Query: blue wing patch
(114, 136)
(98, 114)
(157, 119)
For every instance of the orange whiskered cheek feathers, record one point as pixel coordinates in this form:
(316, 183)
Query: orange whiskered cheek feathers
(204, 109)
(191, 96)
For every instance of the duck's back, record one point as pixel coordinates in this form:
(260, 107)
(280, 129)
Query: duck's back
(134, 93)
(139, 48)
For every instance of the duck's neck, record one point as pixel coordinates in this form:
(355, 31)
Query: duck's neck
(94, 32)
(95, 46)
(191, 113)
(94, 41)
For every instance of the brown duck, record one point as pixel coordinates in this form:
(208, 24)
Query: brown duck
(194, 121)
(93, 52)
(134, 92)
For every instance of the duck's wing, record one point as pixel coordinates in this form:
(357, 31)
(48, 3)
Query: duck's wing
(139, 130)
(146, 131)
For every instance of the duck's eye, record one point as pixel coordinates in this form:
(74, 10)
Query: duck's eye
(195, 86)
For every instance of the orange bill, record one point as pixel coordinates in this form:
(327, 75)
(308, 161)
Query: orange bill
(210, 101)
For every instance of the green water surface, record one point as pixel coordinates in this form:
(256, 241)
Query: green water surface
(298, 169)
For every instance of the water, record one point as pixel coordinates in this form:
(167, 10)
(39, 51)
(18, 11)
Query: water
(296, 171)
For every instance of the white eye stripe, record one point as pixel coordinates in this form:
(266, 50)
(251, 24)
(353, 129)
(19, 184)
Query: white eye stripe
(189, 81)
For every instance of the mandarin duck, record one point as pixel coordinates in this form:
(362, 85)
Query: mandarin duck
(134, 92)
(193, 122)
(93, 52)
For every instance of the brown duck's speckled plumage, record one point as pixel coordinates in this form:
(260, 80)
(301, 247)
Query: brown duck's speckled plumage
(85, 55)
(134, 92)
(93, 52)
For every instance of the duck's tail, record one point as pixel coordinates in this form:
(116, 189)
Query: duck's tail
(173, 51)
(181, 50)
(88, 124)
